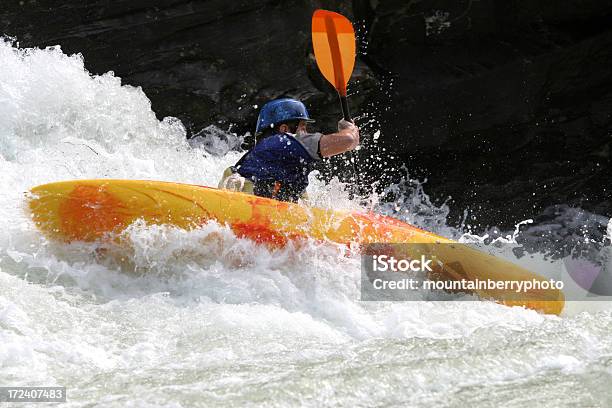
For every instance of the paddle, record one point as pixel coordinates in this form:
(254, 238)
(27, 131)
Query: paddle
(333, 41)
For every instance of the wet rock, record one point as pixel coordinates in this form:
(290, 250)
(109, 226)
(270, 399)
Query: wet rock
(504, 105)
(216, 141)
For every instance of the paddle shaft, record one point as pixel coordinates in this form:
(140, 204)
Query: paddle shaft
(345, 109)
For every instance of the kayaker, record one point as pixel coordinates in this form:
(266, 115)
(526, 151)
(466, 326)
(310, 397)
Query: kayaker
(285, 152)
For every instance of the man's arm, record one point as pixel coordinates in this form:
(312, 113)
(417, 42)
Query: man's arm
(347, 138)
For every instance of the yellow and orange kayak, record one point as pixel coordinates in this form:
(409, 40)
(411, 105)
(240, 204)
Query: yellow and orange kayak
(88, 210)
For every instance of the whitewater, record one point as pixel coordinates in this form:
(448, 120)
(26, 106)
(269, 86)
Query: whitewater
(178, 318)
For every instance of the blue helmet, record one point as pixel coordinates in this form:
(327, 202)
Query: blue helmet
(279, 111)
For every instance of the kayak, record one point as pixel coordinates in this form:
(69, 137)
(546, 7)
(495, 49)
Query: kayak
(90, 210)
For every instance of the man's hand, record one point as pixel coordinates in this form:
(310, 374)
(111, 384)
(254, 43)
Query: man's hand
(344, 124)
(346, 127)
(346, 139)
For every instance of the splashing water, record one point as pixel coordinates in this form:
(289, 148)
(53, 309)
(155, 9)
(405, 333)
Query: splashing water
(185, 318)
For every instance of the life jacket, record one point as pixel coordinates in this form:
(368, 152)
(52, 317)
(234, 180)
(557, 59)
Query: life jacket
(278, 166)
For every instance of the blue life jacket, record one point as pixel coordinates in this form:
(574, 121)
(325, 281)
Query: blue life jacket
(278, 158)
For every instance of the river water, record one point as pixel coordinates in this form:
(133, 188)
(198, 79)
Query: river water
(201, 318)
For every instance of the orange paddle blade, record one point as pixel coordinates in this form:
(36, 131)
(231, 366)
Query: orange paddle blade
(333, 40)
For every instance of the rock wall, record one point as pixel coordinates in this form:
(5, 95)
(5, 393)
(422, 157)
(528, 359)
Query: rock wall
(505, 105)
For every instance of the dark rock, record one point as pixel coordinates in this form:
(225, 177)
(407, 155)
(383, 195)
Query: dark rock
(504, 105)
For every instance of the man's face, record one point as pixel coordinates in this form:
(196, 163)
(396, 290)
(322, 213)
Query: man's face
(301, 127)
